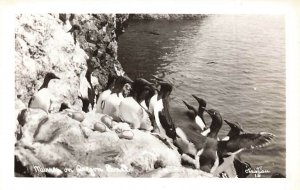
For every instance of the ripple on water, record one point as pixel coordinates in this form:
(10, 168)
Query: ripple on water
(244, 80)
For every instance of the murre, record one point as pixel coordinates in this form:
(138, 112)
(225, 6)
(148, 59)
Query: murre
(161, 113)
(131, 111)
(236, 141)
(110, 105)
(106, 92)
(43, 99)
(86, 89)
(197, 115)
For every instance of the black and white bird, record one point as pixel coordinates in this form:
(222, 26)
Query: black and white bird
(109, 101)
(242, 140)
(159, 106)
(202, 150)
(106, 92)
(147, 92)
(207, 146)
(235, 129)
(43, 98)
(236, 141)
(86, 89)
(197, 115)
(131, 109)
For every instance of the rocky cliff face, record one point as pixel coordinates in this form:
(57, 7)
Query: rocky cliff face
(43, 44)
(61, 144)
(152, 17)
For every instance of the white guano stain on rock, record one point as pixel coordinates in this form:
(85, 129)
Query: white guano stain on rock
(56, 140)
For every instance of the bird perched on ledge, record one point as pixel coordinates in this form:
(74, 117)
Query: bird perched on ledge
(130, 109)
(86, 89)
(109, 101)
(43, 99)
(160, 108)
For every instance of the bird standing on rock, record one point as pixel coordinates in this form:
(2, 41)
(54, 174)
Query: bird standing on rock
(43, 98)
(109, 104)
(161, 113)
(145, 96)
(86, 89)
(146, 93)
(106, 92)
(130, 109)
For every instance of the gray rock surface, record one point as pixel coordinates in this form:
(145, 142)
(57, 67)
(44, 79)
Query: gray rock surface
(56, 144)
(57, 140)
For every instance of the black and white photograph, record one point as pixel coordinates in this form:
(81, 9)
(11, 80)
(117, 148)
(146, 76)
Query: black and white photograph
(153, 95)
(150, 95)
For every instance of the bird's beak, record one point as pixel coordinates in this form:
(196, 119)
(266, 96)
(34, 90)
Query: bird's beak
(208, 111)
(232, 125)
(147, 82)
(129, 80)
(56, 77)
(154, 87)
(157, 78)
(205, 109)
(195, 96)
(199, 100)
(227, 122)
(151, 85)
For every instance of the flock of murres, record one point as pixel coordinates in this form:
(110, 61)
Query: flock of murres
(144, 105)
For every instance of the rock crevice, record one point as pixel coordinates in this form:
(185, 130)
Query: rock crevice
(72, 143)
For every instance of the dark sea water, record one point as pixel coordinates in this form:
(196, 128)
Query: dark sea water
(245, 82)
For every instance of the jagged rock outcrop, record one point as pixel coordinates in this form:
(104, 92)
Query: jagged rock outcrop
(152, 17)
(76, 149)
(73, 143)
(43, 44)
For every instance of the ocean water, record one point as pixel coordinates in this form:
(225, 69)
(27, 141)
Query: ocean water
(235, 62)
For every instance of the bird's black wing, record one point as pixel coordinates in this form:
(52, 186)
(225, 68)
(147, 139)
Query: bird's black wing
(91, 95)
(248, 141)
(166, 120)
